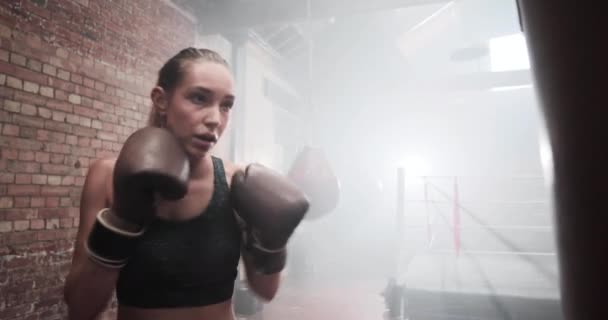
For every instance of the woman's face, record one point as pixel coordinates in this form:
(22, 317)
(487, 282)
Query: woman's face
(198, 109)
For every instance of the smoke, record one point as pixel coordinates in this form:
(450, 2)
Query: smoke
(418, 88)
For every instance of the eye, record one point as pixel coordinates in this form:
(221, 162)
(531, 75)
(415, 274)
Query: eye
(199, 98)
(227, 106)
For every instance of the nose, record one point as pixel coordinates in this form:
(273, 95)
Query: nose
(212, 117)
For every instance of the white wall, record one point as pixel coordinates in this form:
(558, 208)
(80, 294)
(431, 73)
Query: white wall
(258, 131)
(264, 121)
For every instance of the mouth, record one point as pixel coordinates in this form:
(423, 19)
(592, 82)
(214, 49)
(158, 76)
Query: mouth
(205, 141)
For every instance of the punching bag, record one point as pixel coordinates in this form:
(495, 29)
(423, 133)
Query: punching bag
(569, 59)
(312, 172)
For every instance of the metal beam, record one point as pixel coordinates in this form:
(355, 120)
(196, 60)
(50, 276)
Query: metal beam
(230, 16)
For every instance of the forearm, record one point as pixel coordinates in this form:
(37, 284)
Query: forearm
(264, 285)
(88, 290)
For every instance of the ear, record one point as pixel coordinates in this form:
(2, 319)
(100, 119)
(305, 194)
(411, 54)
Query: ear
(160, 100)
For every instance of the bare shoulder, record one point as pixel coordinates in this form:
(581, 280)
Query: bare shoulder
(230, 168)
(101, 168)
(99, 175)
(103, 164)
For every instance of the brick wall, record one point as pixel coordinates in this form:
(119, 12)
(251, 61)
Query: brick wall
(74, 82)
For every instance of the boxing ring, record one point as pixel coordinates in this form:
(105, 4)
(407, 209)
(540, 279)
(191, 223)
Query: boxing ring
(469, 248)
(475, 248)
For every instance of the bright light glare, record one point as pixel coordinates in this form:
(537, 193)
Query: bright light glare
(509, 53)
(416, 166)
(511, 88)
(546, 157)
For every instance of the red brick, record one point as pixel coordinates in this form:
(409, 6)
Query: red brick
(23, 144)
(23, 190)
(29, 75)
(10, 130)
(83, 131)
(71, 139)
(26, 155)
(11, 154)
(34, 65)
(107, 145)
(58, 126)
(19, 214)
(74, 98)
(109, 127)
(22, 202)
(62, 85)
(22, 166)
(42, 135)
(37, 202)
(57, 158)
(6, 92)
(109, 136)
(53, 191)
(18, 59)
(49, 69)
(65, 222)
(21, 225)
(72, 119)
(52, 223)
(6, 177)
(45, 235)
(84, 141)
(54, 180)
(23, 178)
(51, 202)
(59, 105)
(28, 109)
(53, 147)
(57, 137)
(80, 181)
(77, 78)
(63, 74)
(26, 132)
(85, 111)
(13, 82)
(6, 226)
(44, 113)
(31, 87)
(30, 98)
(42, 157)
(107, 117)
(65, 201)
(28, 121)
(37, 224)
(95, 143)
(67, 181)
(56, 169)
(12, 106)
(89, 82)
(54, 44)
(6, 202)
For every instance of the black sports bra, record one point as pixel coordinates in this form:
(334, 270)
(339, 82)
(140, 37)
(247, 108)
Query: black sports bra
(185, 263)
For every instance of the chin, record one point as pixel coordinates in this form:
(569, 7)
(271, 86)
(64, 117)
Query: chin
(197, 153)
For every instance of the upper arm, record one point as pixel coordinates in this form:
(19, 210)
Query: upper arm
(95, 196)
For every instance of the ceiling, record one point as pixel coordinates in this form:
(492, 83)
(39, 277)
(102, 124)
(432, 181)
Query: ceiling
(393, 42)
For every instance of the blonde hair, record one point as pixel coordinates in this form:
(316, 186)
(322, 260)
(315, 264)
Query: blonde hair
(172, 71)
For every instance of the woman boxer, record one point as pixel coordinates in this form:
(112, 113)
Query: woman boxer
(158, 223)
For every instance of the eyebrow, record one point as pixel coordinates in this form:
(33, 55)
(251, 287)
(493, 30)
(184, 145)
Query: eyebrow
(209, 91)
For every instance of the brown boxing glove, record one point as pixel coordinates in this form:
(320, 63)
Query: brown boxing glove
(151, 162)
(270, 207)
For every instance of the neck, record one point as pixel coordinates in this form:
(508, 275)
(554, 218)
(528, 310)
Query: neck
(201, 166)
